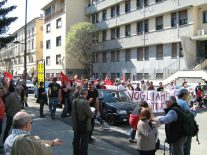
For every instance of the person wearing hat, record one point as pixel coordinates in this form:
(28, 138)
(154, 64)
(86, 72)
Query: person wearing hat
(182, 95)
(54, 94)
(174, 132)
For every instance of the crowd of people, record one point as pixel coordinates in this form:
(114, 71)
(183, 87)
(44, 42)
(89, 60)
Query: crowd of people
(81, 101)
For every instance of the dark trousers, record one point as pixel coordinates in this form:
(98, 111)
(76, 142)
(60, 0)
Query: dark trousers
(92, 125)
(152, 152)
(132, 134)
(1, 121)
(8, 127)
(80, 143)
(66, 106)
(187, 146)
(42, 103)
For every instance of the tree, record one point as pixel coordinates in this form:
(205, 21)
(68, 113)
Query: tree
(5, 22)
(80, 42)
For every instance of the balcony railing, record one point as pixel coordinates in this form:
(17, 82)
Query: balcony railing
(53, 15)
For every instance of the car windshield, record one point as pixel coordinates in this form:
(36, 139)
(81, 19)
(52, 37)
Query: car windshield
(114, 96)
(29, 82)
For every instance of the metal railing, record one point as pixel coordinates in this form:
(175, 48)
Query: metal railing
(53, 15)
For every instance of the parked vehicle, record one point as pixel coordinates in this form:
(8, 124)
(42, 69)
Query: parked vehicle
(115, 106)
(30, 86)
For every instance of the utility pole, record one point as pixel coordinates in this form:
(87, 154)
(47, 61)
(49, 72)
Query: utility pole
(25, 45)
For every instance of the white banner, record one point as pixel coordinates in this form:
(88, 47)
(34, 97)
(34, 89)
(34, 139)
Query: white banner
(154, 98)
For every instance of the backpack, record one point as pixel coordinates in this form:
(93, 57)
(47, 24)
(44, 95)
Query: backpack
(189, 125)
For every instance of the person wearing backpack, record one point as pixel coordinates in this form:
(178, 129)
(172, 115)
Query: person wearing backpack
(182, 95)
(173, 126)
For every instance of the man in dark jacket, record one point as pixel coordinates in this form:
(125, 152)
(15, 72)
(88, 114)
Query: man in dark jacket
(81, 118)
(173, 126)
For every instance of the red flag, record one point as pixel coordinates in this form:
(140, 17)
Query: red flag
(64, 78)
(8, 75)
(108, 82)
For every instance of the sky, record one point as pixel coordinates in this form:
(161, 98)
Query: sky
(33, 10)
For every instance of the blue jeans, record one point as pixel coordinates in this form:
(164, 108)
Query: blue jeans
(132, 134)
(80, 144)
(53, 101)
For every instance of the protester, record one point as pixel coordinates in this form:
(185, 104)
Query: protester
(121, 86)
(147, 133)
(42, 98)
(65, 99)
(54, 94)
(138, 87)
(182, 95)
(151, 86)
(161, 87)
(20, 142)
(81, 118)
(12, 106)
(98, 84)
(173, 129)
(76, 93)
(11, 88)
(143, 86)
(24, 95)
(134, 119)
(92, 98)
(199, 93)
(2, 109)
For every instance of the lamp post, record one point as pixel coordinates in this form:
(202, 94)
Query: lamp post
(25, 44)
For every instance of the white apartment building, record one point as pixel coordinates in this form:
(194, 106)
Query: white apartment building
(150, 41)
(12, 56)
(60, 15)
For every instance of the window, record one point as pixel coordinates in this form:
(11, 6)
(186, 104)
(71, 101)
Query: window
(104, 14)
(140, 53)
(127, 30)
(48, 28)
(128, 76)
(112, 56)
(96, 58)
(174, 50)
(139, 76)
(113, 11)
(48, 61)
(97, 18)
(32, 30)
(113, 76)
(183, 17)
(159, 75)
(127, 6)
(140, 26)
(181, 50)
(118, 75)
(140, 3)
(117, 32)
(146, 75)
(158, 1)
(117, 10)
(93, 19)
(103, 75)
(58, 41)
(159, 23)
(58, 59)
(113, 33)
(104, 35)
(48, 46)
(204, 16)
(104, 57)
(159, 51)
(128, 55)
(173, 19)
(146, 53)
(32, 42)
(58, 23)
(118, 56)
(93, 58)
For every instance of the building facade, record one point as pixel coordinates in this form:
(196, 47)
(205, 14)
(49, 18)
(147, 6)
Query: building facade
(148, 39)
(12, 56)
(60, 15)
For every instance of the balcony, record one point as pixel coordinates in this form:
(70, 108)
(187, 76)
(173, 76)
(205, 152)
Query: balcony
(54, 15)
(162, 37)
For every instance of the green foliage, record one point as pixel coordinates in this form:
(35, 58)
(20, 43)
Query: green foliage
(5, 22)
(80, 41)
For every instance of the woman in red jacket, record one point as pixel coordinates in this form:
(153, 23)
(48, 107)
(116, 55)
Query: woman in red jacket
(2, 109)
(133, 120)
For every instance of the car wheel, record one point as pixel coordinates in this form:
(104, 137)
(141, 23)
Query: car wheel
(110, 119)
